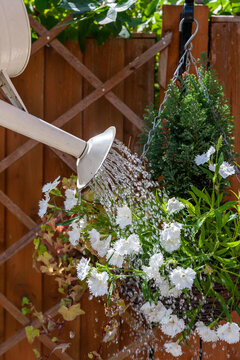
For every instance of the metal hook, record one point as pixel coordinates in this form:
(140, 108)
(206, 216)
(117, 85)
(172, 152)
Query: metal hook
(193, 35)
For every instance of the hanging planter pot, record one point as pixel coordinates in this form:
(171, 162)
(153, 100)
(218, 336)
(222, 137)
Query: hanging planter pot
(15, 37)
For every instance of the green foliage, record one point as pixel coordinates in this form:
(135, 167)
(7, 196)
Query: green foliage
(188, 127)
(102, 19)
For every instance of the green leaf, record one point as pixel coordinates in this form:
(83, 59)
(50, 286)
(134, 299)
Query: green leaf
(37, 354)
(25, 301)
(31, 333)
(109, 17)
(124, 33)
(151, 8)
(79, 7)
(41, 5)
(25, 311)
(111, 288)
(237, 310)
(218, 215)
(36, 243)
(232, 244)
(228, 205)
(124, 5)
(201, 195)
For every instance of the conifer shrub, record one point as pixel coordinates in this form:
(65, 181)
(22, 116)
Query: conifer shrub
(190, 123)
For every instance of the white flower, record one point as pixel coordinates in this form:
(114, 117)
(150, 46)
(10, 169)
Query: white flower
(170, 237)
(50, 186)
(166, 290)
(173, 348)
(74, 234)
(101, 246)
(182, 278)
(98, 283)
(225, 169)
(156, 260)
(71, 199)
(205, 157)
(83, 268)
(43, 205)
(212, 167)
(174, 326)
(128, 246)
(229, 332)
(152, 271)
(205, 333)
(156, 313)
(174, 206)
(115, 258)
(133, 244)
(124, 216)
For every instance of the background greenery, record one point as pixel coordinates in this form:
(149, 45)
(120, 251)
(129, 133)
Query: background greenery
(102, 19)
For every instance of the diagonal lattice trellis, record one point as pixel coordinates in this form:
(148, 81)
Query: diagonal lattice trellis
(101, 90)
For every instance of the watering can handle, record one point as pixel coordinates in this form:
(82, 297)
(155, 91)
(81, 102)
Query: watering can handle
(23, 123)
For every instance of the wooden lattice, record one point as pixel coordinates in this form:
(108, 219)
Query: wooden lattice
(101, 90)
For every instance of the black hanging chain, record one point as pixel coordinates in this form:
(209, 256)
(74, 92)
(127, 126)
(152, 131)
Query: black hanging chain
(187, 18)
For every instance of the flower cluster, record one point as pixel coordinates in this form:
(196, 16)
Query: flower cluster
(181, 253)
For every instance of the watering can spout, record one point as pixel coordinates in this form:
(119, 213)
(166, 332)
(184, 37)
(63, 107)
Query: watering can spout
(90, 155)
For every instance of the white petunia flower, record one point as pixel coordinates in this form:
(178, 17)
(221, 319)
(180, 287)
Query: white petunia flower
(205, 333)
(152, 271)
(128, 246)
(124, 216)
(173, 326)
(229, 332)
(83, 268)
(170, 237)
(156, 313)
(182, 278)
(212, 167)
(205, 157)
(71, 199)
(174, 206)
(115, 258)
(173, 348)
(51, 185)
(43, 205)
(101, 246)
(133, 244)
(98, 283)
(226, 170)
(166, 290)
(74, 234)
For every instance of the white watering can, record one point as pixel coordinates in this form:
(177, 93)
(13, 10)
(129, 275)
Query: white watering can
(15, 48)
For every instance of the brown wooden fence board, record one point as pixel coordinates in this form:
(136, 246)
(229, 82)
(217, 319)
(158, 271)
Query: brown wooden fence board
(225, 58)
(21, 190)
(2, 234)
(138, 88)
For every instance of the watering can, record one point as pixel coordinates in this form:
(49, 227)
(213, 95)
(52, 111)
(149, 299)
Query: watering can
(15, 49)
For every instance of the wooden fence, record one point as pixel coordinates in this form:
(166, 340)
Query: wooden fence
(84, 94)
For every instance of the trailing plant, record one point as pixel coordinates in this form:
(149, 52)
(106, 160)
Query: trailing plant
(180, 257)
(189, 123)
